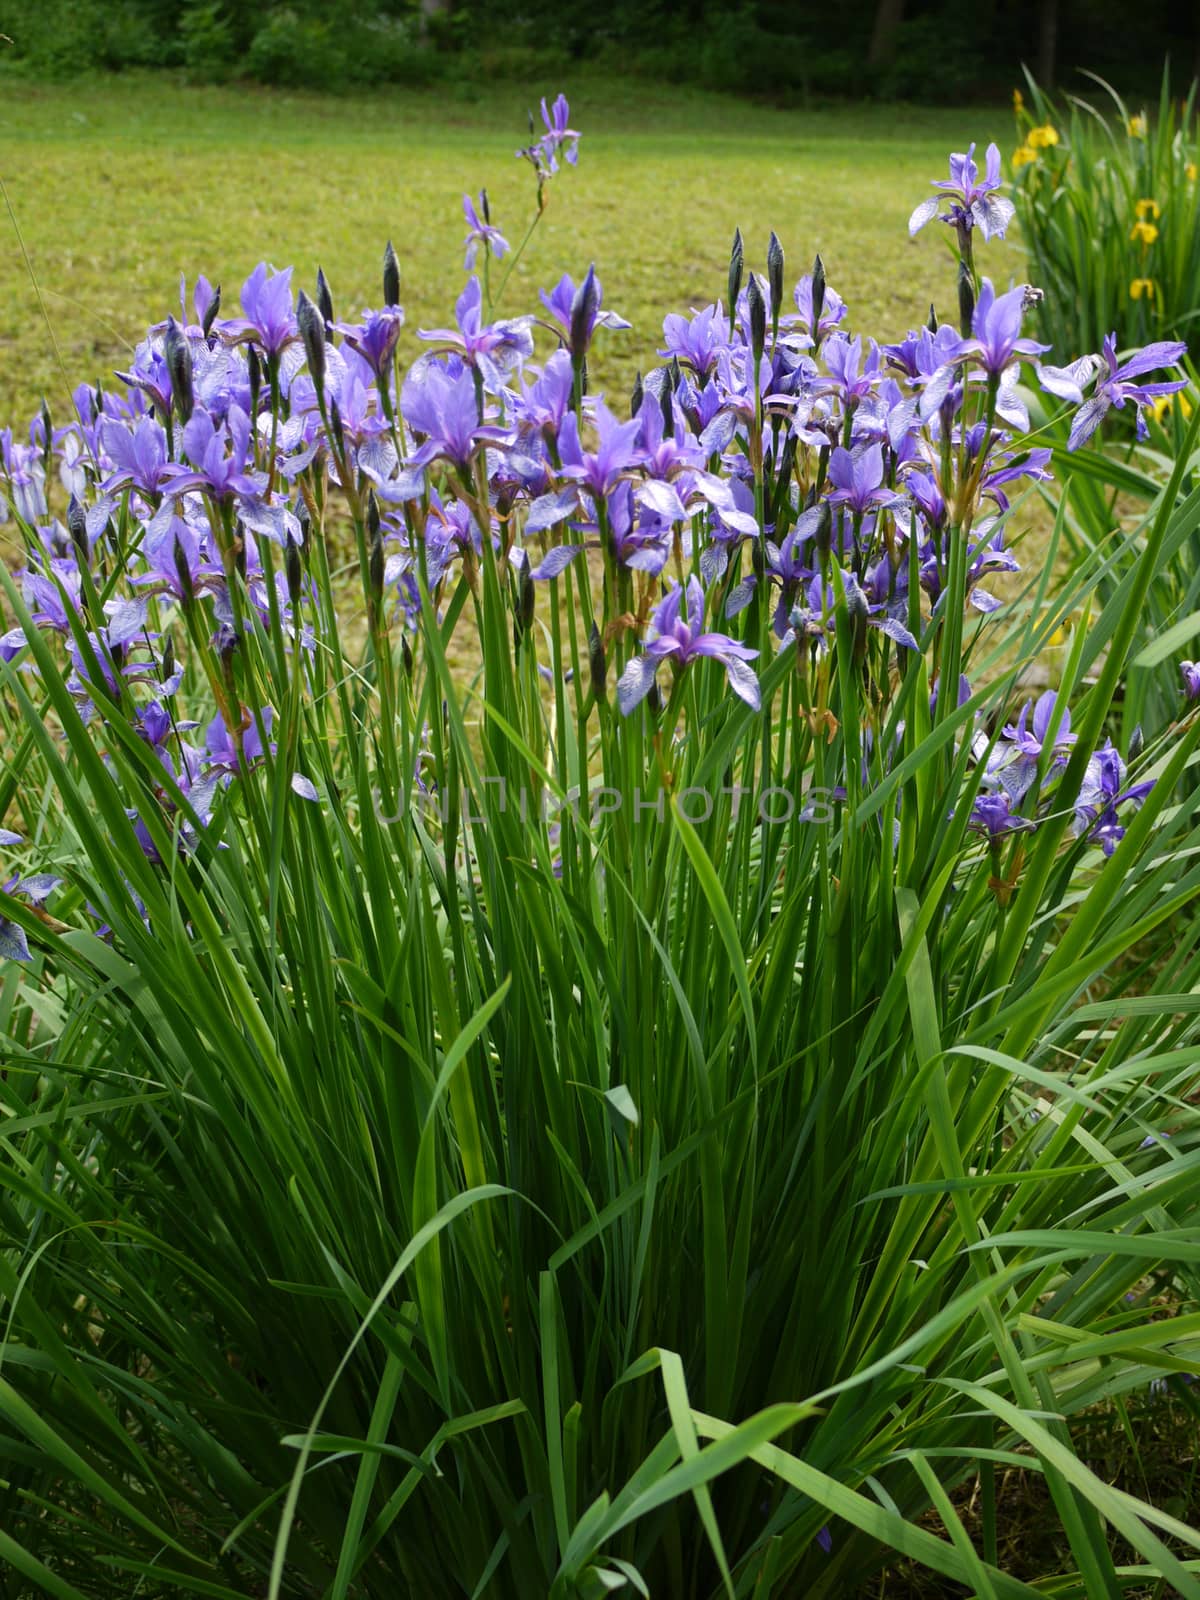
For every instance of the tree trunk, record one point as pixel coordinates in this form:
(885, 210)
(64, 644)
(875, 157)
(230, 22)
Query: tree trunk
(889, 14)
(1047, 42)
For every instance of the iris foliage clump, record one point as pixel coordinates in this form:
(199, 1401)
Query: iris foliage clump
(571, 1025)
(1107, 199)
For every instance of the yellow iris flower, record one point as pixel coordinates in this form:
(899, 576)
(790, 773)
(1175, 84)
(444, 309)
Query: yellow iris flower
(1148, 208)
(1144, 233)
(1023, 156)
(1162, 405)
(1142, 286)
(1042, 138)
(1137, 126)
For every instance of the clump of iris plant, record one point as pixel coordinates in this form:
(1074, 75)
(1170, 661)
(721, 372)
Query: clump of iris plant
(781, 485)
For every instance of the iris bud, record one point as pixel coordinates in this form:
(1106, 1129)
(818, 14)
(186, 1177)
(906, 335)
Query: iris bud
(818, 296)
(668, 411)
(787, 460)
(932, 324)
(823, 533)
(312, 332)
(597, 662)
(526, 596)
(77, 526)
(856, 606)
(305, 521)
(47, 437)
(966, 299)
(167, 665)
(637, 396)
(737, 256)
(485, 207)
(335, 427)
(214, 308)
(758, 319)
(391, 277)
(294, 570)
(178, 355)
(183, 572)
(239, 548)
(375, 546)
(406, 655)
(1137, 742)
(655, 700)
(254, 366)
(324, 298)
(775, 278)
(583, 315)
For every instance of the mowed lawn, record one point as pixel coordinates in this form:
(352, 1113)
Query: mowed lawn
(118, 185)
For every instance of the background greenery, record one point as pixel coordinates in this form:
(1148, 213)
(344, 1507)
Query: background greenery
(922, 49)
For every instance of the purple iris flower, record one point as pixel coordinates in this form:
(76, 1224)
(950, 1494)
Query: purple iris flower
(833, 310)
(996, 327)
(267, 301)
(974, 202)
(557, 137)
(480, 232)
(641, 540)
(52, 598)
(814, 619)
(375, 338)
(22, 466)
(677, 634)
(439, 402)
(985, 557)
(495, 348)
(1009, 468)
(541, 406)
(220, 747)
(202, 300)
(921, 354)
(1115, 387)
(1102, 791)
(138, 454)
(616, 454)
(149, 375)
(1014, 762)
(36, 889)
(849, 376)
(561, 303)
(992, 815)
(727, 532)
(222, 456)
(696, 340)
(174, 561)
(450, 532)
(1191, 679)
(109, 649)
(857, 480)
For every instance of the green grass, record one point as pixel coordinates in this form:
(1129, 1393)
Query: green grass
(121, 184)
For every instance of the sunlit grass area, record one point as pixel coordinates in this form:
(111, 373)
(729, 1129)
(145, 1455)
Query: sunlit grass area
(120, 185)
